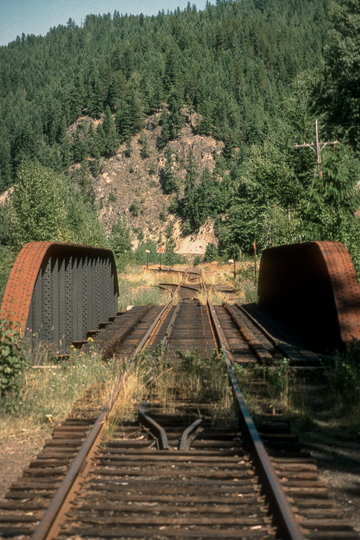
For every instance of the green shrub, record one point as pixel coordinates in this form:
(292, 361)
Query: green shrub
(343, 376)
(211, 253)
(174, 207)
(134, 209)
(12, 356)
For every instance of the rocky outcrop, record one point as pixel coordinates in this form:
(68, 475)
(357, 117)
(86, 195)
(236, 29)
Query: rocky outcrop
(130, 186)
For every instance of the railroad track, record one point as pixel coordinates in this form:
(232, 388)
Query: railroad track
(177, 470)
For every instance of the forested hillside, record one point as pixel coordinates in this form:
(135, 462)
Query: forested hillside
(232, 63)
(253, 74)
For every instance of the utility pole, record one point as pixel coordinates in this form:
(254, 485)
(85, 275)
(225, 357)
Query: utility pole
(317, 147)
(255, 261)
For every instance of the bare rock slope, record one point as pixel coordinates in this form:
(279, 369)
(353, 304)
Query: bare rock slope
(130, 186)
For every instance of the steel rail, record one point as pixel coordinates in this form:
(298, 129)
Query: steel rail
(193, 428)
(258, 325)
(155, 429)
(62, 496)
(278, 501)
(279, 504)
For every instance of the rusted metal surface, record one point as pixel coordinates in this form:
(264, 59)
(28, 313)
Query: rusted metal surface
(154, 428)
(58, 292)
(312, 286)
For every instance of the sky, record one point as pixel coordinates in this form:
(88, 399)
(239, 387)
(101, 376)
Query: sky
(38, 16)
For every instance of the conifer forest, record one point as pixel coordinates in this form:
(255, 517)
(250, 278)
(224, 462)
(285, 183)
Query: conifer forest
(254, 74)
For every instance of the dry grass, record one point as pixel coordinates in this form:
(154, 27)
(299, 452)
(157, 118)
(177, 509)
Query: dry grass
(132, 394)
(192, 378)
(138, 286)
(244, 283)
(47, 393)
(137, 274)
(217, 297)
(214, 274)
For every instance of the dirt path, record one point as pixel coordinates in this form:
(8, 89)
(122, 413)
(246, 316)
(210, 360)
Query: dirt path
(338, 460)
(15, 455)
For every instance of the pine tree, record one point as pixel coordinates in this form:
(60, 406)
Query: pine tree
(144, 152)
(120, 237)
(79, 149)
(5, 161)
(96, 98)
(99, 145)
(129, 148)
(82, 177)
(168, 180)
(207, 197)
(176, 118)
(111, 140)
(165, 129)
(90, 137)
(76, 97)
(191, 210)
(205, 125)
(342, 68)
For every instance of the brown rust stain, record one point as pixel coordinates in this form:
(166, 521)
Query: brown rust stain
(345, 287)
(313, 287)
(18, 292)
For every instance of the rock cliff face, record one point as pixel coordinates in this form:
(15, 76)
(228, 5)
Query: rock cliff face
(130, 186)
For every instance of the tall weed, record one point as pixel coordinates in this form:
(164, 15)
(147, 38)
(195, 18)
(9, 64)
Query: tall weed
(46, 392)
(343, 382)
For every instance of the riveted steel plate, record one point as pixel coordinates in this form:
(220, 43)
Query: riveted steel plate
(53, 288)
(312, 286)
(19, 288)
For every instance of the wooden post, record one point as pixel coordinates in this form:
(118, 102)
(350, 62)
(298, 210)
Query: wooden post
(318, 151)
(319, 146)
(255, 259)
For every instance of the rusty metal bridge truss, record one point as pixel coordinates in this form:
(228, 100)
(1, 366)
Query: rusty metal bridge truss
(57, 292)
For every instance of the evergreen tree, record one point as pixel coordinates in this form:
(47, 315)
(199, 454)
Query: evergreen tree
(165, 129)
(79, 148)
(204, 127)
(129, 148)
(170, 257)
(76, 97)
(120, 237)
(342, 68)
(82, 177)
(111, 141)
(5, 161)
(176, 118)
(168, 180)
(208, 197)
(96, 98)
(144, 152)
(90, 138)
(191, 210)
(99, 144)
(128, 116)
